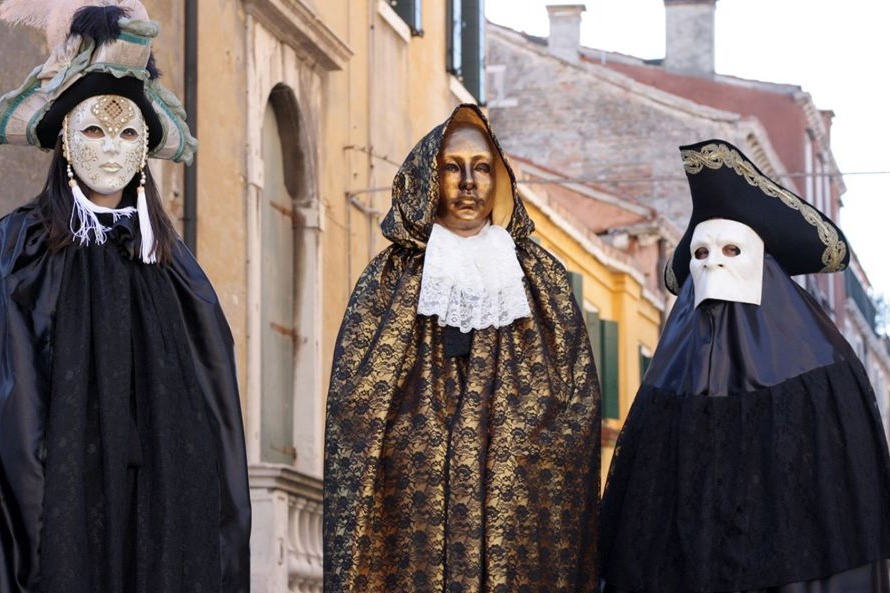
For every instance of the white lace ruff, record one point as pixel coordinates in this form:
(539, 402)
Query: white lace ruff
(472, 282)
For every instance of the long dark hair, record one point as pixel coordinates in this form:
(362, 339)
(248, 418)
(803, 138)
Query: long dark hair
(55, 204)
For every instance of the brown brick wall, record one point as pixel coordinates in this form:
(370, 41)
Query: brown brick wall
(581, 124)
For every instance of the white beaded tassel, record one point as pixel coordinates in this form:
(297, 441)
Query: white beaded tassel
(147, 252)
(147, 249)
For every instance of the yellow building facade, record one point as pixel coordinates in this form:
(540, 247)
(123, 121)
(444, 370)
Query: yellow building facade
(624, 318)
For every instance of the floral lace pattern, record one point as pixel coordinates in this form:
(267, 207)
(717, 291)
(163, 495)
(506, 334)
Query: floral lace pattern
(472, 282)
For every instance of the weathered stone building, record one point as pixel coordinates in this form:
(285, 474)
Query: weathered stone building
(616, 121)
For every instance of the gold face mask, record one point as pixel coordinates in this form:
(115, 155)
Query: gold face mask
(106, 141)
(466, 180)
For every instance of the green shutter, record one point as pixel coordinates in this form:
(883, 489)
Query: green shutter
(576, 281)
(644, 364)
(465, 44)
(473, 50)
(455, 30)
(410, 11)
(592, 320)
(609, 369)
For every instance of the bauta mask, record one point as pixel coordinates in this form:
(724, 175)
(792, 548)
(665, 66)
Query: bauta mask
(727, 262)
(107, 142)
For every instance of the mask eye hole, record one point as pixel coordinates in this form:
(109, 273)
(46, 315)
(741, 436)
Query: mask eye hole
(701, 253)
(93, 132)
(731, 250)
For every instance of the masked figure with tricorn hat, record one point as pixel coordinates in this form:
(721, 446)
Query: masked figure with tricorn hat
(753, 457)
(122, 460)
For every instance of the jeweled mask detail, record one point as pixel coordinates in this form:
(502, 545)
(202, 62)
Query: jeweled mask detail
(106, 142)
(727, 262)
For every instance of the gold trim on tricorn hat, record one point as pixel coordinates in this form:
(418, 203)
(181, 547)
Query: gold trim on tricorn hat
(724, 183)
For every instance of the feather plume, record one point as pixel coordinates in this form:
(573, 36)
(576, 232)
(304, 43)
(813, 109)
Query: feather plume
(29, 13)
(54, 17)
(101, 23)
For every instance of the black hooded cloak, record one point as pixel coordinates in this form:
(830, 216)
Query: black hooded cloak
(460, 473)
(753, 457)
(122, 462)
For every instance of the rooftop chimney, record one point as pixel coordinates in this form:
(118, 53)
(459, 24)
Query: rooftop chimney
(565, 30)
(690, 36)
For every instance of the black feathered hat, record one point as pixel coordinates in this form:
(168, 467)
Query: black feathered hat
(725, 184)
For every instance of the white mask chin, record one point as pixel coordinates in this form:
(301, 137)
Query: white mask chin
(727, 262)
(106, 141)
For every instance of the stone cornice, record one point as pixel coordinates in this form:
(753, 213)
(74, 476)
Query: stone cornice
(817, 124)
(296, 24)
(284, 478)
(678, 2)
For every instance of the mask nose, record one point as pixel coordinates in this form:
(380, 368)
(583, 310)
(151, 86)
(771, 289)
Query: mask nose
(111, 145)
(467, 181)
(714, 260)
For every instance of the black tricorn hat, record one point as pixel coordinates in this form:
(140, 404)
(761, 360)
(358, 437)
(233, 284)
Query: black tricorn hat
(726, 184)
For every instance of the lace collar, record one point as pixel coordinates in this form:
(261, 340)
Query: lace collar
(472, 282)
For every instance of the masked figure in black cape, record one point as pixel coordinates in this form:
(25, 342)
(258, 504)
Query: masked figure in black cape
(122, 462)
(462, 446)
(753, 457)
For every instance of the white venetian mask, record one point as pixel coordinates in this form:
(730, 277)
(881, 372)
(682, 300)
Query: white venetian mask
(106, 140)
(727, 262)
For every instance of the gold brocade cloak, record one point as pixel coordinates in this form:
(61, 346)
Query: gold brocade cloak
(460, 474)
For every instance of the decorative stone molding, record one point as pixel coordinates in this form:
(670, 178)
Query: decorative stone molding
(297, 25)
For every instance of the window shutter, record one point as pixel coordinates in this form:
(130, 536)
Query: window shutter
(644, 364)
(609, 369)
(466, 44)
(411, 13)
(455, 29)
(278, 334)
(473, 63)
(576, 281)
(592, 320)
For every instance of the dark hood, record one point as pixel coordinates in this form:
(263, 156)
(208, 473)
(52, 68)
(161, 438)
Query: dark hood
(415, 189)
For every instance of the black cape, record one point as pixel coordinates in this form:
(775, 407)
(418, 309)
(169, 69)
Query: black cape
(122, 462)
(753, 456)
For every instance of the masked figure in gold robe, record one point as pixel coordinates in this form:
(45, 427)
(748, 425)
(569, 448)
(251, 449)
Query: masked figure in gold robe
(462, 445)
